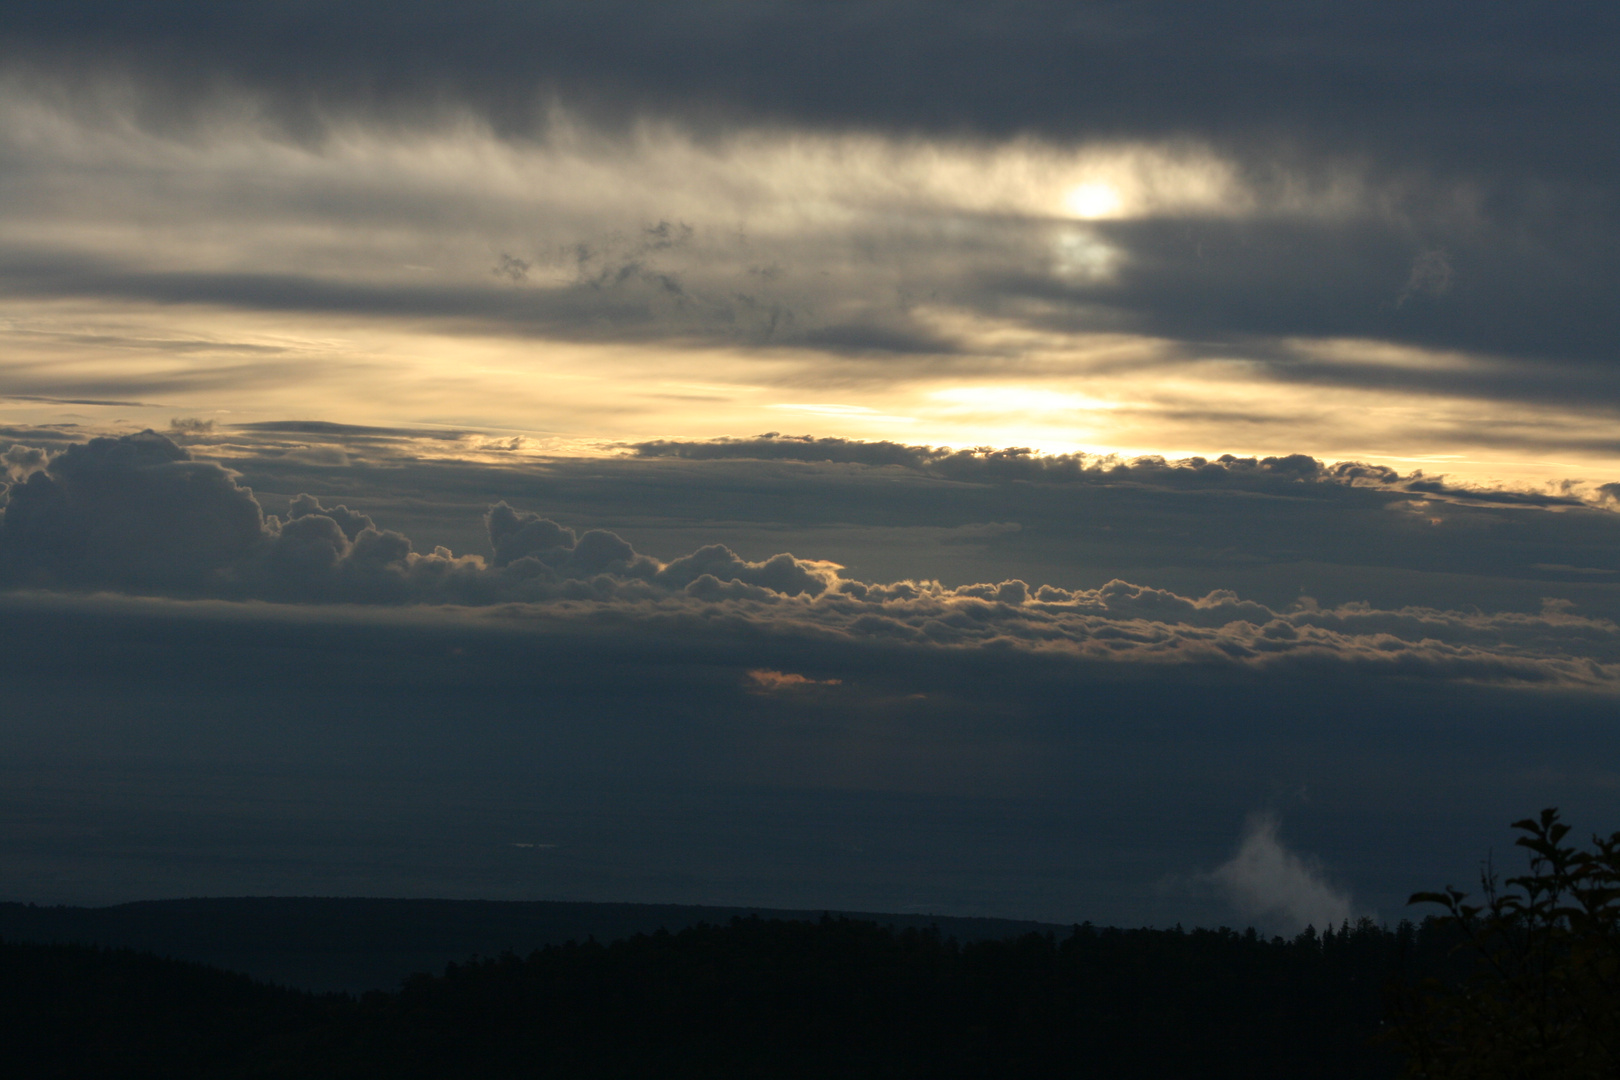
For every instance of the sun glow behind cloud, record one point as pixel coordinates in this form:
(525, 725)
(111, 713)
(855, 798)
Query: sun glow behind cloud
(1098, 394)
(1092, 201)
(588, 286)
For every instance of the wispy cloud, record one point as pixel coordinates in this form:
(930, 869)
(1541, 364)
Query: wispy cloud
(1430, 276)
(764, 680)
(1265, 880)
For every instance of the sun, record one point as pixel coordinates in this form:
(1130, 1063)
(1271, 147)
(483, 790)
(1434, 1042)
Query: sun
(1092, 201)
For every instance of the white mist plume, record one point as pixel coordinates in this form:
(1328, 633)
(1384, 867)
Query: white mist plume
(1265, 880)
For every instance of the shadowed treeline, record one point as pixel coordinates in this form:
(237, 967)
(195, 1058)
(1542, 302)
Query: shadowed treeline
(757, 997)
(355, 944)
(82, 1011)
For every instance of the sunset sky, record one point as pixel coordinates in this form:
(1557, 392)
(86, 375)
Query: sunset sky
(1140, 462)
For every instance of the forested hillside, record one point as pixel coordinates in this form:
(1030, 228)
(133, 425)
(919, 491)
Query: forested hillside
(358, 943)
(754, 998)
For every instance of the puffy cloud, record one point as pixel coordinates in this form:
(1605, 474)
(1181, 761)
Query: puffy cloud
(137, 513)
(129, 512)
(350, 523)
(530, 546)
(717, 564)
(21, 462)
(517, 536)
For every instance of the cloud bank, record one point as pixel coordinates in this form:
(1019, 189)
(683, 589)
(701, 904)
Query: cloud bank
(990, 465)
(138, 513)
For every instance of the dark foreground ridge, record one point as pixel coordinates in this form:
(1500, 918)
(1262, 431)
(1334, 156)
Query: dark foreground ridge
(355, 944)
(752, 998)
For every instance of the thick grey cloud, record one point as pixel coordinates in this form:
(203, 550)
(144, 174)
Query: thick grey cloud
(134, 511)
(349, 523)
(1521, 280)
(1280, 474)
(137, 513)
(1273, 529)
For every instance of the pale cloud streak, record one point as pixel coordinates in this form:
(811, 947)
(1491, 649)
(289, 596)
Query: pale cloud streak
(1265, 880)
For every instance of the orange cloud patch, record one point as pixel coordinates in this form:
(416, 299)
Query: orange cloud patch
(763, 680)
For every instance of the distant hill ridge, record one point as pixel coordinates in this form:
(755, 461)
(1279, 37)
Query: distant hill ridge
(356, 944)
(748, 999)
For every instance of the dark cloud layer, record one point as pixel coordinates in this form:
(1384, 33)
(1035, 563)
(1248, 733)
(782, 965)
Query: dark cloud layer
(1531, 82)
(1280, 474)
(1271, 529)
(1521, 279)
(137, 513)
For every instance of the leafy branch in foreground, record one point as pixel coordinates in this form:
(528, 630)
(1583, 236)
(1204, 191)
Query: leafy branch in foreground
(1542, 998)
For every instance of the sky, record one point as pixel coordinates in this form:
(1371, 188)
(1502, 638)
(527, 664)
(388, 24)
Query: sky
(1139, 462)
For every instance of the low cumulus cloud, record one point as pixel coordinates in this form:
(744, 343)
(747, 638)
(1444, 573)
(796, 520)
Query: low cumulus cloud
(1265, 880)
(983, 464)
(21, 462)
(138, 513)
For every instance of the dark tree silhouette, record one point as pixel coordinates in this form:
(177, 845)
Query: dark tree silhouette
(1539, 997)
(753, 998)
